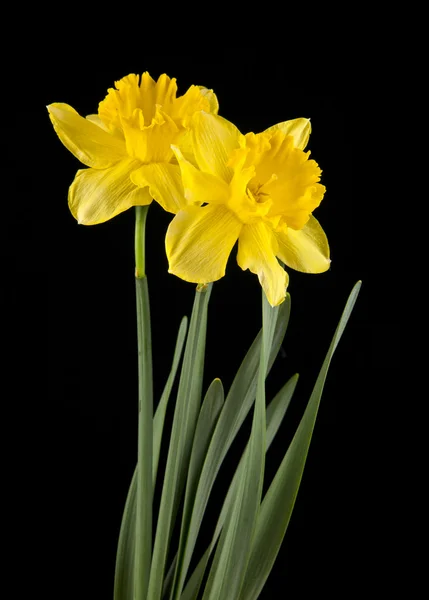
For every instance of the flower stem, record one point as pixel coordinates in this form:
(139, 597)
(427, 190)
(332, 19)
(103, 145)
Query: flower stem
(139, 239)
(145, 436)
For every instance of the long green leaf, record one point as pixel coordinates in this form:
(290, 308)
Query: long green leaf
(232, 552)
(276, 411)
(159, 418)
(237, 405)
(277, 506)
(207, 419)
(125, 555)
(168, 579)
(184, 423)
(193, 586)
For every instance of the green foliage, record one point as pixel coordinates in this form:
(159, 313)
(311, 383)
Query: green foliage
(249, 530)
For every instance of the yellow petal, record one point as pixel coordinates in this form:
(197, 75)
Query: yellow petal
(184, 142)
(211, 97)
(257, 248)
(201, 187)
(306, 250)
(299, 129)
(97, 195)
(92, 145)
(165, 184)
(97, 121)
(214, 139)
(199, 242)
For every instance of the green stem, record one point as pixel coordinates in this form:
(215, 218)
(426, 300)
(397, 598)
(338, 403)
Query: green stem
(139, 238)
(145, 435)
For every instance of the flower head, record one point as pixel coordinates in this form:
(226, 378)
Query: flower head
(258, 189)
(127, 146)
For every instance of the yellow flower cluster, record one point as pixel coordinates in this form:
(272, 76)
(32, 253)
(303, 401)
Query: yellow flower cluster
(222, 186)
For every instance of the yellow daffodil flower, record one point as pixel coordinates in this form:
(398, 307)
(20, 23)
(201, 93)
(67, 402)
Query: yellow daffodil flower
(127, 146)
(258, 189)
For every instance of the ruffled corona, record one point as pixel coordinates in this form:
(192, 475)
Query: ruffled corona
(127, 146)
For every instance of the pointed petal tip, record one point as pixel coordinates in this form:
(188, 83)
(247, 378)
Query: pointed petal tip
(53, 107)
(51, 110)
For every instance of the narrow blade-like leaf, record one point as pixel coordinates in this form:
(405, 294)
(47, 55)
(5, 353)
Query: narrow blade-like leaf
(277, 506)
(276, 411)
(184, 423)
(207, 419)
(233, 550)
(159, 418)
(125, 555)
(237, 405)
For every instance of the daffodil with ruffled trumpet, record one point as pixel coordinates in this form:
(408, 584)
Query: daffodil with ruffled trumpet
(259, 189)
(127, 146)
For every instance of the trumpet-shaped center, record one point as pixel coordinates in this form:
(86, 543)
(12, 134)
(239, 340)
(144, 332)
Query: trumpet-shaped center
(149, 116)
(273, 181)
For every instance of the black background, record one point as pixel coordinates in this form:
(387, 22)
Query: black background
(73, 307)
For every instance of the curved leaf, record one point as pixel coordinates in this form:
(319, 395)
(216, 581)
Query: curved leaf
(276, 411)
(125, 554)
(237, 405)
(277, 506)
(184, 423)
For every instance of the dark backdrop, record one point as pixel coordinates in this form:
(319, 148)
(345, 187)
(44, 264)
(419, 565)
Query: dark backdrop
(76, 431)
